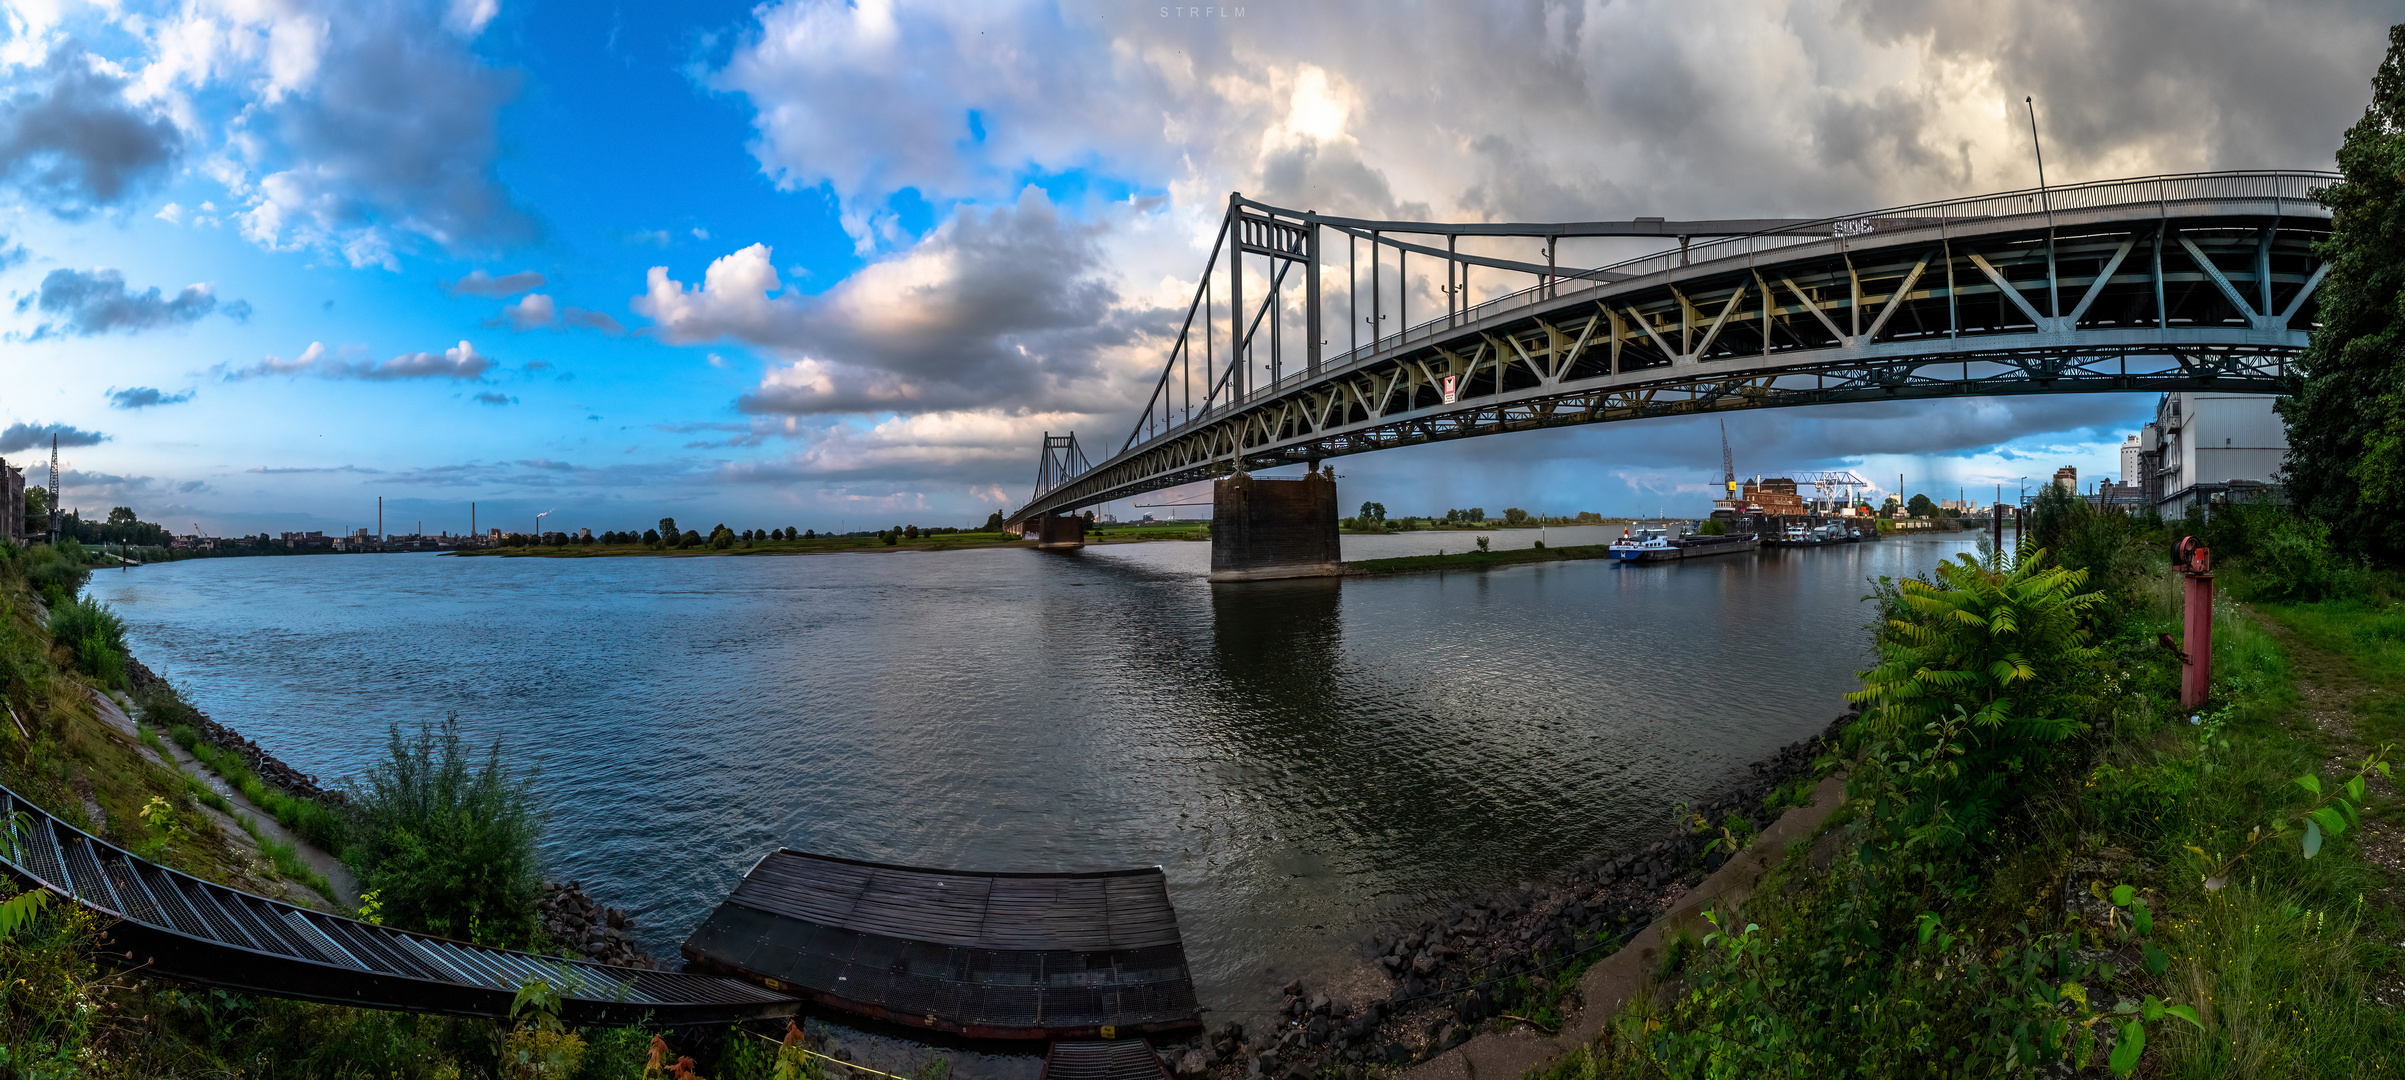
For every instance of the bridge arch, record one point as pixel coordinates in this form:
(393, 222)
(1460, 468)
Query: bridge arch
(2199, 281)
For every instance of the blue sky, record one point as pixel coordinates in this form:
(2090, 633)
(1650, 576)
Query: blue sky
(840, 266)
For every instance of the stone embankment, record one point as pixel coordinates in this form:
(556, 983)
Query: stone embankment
(1496, 955)
(582, 925)
(268, 767)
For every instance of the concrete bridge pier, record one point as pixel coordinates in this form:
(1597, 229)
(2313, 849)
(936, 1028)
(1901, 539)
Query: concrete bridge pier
(1268, 528)
(1057, 532)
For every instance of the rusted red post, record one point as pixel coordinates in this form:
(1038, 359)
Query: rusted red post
(2196, 679)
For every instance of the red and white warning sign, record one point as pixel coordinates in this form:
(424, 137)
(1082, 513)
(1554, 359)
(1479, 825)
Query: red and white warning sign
(1451, 395)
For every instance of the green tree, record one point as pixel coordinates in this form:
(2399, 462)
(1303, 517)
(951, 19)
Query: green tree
(37, 510)
(993, 522)
(651, 536)
(2346, 423)
(1921, 507)
(1371, 511)
(668, 528)
(1515, 516)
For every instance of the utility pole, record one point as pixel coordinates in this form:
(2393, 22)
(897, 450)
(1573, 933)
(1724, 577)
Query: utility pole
(2054, 293)
(54, 487)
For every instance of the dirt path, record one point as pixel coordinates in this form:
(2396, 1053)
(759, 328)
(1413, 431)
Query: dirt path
(2331, 693)
(113, 712)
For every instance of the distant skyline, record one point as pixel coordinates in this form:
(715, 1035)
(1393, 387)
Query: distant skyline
(839, 266)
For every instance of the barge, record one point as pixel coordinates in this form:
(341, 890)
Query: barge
(985, 955)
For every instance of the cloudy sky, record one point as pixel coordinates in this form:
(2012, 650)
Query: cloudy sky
(840, 266)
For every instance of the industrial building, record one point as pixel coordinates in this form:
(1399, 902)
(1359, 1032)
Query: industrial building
(2204, 448)
(12, 503)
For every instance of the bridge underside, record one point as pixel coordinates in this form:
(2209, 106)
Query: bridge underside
(2145, 286)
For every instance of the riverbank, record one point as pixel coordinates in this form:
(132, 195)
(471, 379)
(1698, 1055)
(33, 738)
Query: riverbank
(829, 545)
(1513, 957)
(2155, 897)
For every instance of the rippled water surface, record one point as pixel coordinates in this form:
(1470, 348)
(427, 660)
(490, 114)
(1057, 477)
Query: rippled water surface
(1304, 759)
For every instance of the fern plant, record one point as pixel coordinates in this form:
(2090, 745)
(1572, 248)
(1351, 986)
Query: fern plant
(1976, 669)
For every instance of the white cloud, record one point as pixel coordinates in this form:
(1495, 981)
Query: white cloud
(736, 298)
(460, 362)
(365, 127)
(480, 283)
(1004, 308)
(533, 312)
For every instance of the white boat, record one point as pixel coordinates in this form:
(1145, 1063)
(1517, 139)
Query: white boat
(1644, 545)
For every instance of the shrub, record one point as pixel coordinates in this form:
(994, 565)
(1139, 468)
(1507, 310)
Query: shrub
(2288, 557)
(93, 633)
(56, 571)
(448, 843)
(1977, 669)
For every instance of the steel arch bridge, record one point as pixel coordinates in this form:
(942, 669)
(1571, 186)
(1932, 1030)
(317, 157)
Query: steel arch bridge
(2200, 281)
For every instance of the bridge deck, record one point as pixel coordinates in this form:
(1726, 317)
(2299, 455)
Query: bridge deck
(176, 926)
(1002, 955)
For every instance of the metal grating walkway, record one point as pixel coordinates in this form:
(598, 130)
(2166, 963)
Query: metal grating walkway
(176, 926)
(1121, 1059)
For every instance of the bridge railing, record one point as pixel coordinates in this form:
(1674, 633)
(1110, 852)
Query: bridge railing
(2162, 190)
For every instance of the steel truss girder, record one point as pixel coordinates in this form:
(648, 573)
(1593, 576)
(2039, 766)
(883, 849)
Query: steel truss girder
(1248, 439)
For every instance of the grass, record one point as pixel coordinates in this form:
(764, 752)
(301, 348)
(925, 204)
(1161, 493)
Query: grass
(287, 861)
(313, 821)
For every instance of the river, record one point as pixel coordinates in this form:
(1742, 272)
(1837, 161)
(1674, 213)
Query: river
(1306, 760)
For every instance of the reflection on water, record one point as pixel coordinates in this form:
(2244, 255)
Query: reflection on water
(1304, 759)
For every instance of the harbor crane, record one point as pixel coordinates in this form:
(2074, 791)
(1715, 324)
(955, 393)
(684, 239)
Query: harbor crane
(1728, 463)
(1843, 481)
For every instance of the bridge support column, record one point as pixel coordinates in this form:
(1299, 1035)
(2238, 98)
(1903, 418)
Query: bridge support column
(1263, 529)
(1057, 532)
